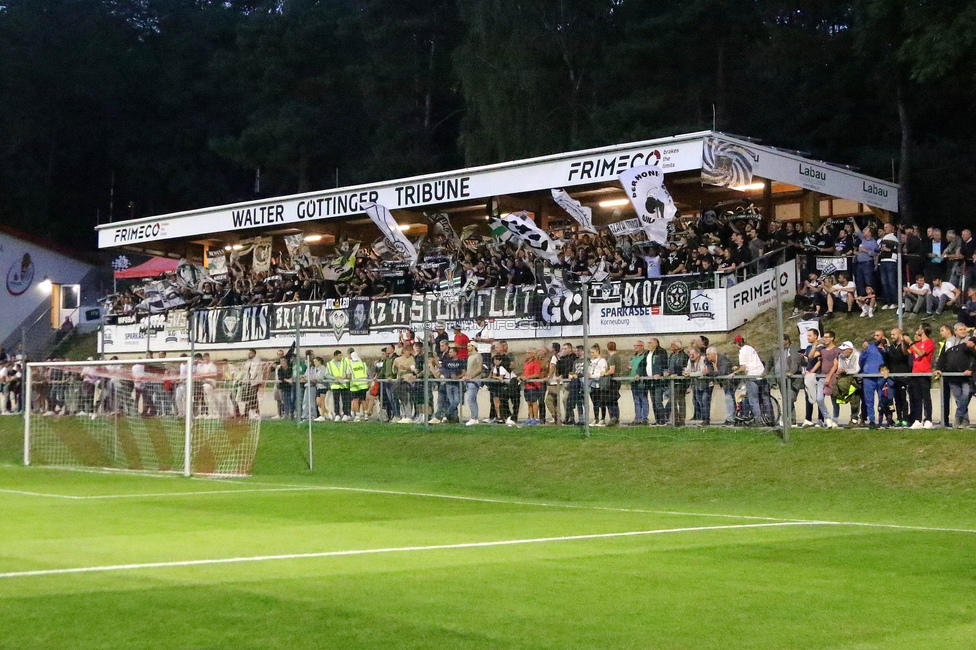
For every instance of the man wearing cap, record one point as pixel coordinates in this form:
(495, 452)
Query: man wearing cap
(846, 389)
(439, 335)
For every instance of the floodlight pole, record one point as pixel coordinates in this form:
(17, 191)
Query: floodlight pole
(783, 382)
(586, 364)
(901, 279)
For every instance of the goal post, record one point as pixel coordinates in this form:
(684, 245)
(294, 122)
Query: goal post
(180, 415)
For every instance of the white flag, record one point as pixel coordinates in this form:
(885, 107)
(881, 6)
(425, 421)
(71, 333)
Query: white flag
(532, 236)
(651, 200)
(582, 214)
(388, 226)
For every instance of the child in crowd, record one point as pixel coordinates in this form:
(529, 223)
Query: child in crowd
(886, 398)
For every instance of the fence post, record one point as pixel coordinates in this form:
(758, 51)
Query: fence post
(188, 418)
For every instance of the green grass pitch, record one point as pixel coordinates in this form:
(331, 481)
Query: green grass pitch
(678, 539)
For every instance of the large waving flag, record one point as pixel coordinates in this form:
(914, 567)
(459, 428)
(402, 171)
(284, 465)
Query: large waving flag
(578, 211)
(532, 236)
(390, 228)
(652, 201)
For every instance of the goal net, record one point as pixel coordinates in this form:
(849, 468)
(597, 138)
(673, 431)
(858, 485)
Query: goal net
(166, 415)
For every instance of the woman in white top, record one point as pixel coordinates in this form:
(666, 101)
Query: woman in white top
(596, 370)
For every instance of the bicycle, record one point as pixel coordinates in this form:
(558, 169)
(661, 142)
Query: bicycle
(770, 411)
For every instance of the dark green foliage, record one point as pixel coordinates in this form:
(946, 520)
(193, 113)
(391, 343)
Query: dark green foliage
(178, 103)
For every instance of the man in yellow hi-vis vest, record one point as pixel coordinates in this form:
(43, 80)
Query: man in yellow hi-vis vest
(358, 384)
(339, 372)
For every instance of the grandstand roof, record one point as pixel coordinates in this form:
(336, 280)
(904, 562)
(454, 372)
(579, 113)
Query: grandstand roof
(590, 176)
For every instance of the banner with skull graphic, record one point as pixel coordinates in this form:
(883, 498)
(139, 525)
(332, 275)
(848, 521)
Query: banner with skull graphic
(651, 200)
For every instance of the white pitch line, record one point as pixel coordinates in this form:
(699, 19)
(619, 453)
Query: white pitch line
(396, 549)
(41, 494)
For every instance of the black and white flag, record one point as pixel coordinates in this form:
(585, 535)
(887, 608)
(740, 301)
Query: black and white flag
(651, 200)
(581, 213)
(391, 230)
(532, 236)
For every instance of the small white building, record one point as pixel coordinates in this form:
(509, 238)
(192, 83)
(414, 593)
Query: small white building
(43, 286)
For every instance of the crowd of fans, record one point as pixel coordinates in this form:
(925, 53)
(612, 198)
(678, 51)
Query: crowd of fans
(937, 273)
(727, 244)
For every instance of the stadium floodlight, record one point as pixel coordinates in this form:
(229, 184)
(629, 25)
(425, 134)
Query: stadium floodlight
(166, 415)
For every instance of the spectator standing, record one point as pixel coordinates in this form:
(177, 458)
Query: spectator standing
(575, 397)
(677, 364)
(934, 260)
(474, 369)
(358, 385)
(638, 387)
(531, 373)
(812, 367)
(957, 358)
(920, 388)
(595, 372)
(752, 366)
(452, 368)
(612, 396)
(339, 372)
(865, 259)
(720, 366)
(888, 267)
(701, 392)
(657, 366)
(871, 362)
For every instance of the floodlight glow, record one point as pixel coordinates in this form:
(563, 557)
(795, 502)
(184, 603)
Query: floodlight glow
(313, 238)
(615, 203)
(751, 187)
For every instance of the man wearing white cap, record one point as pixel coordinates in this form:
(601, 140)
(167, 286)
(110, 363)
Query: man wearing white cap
(846, 391)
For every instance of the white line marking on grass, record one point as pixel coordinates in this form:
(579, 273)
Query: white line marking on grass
(40, 494)
(396, 549)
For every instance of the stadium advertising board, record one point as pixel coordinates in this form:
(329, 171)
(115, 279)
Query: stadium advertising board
(757, 294)
(628, 308)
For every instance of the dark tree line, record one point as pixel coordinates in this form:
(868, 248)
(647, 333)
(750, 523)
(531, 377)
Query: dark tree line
(136, 107)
